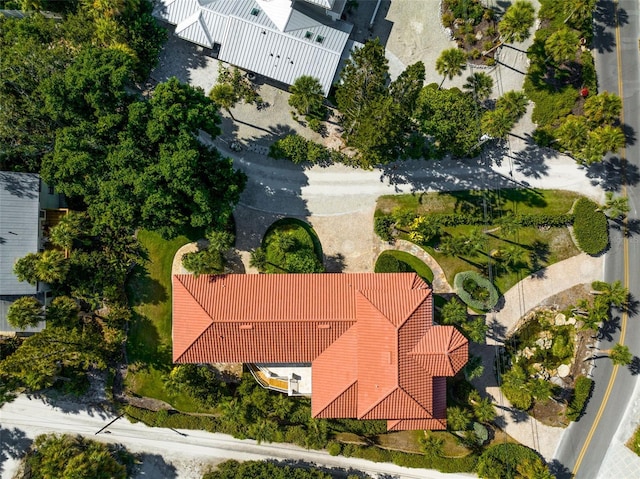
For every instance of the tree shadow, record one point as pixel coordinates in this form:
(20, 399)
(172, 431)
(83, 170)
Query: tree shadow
(609, 329)
(146, 290)
(634, 366)
(334, 263)
(559, 470)
(496, 330)
(179, 57)
(517, 415)
(15, 444)
(629, 133)
(612, 172)
(531, 162)
(629, 228)
(21, 185)
(154, 465)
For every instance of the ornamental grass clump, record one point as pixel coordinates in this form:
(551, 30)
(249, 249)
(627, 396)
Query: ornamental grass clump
(476, 290)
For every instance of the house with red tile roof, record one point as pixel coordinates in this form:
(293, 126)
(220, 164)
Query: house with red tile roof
(374, 350)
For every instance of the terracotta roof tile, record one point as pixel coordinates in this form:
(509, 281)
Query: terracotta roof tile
(413, 424)
(374, 350)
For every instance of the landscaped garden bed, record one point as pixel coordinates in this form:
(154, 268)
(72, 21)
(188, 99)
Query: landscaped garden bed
(519, 232)
(289, 246)
(474, 28)
(392, 261)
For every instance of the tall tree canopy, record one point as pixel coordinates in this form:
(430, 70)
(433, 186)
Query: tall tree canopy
(450, 118)
(154, 173)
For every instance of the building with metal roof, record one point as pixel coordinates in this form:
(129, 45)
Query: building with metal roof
(280, 39)
(369, 339)
(24, 201)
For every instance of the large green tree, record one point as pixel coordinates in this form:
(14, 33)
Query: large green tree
(450, 119)
(362, 80)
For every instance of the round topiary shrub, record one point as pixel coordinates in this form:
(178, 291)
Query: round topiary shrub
(476, 290)
(590, 227)
(387, 264)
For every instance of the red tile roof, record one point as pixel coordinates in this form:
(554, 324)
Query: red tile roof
(374, 350)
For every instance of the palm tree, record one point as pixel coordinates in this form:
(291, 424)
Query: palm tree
(480, 85)
(610, 138)
(306, 95)
(508, 224)
(25, 312)
(484, 410)
(258, 259)
(263, 430)
(450, 63)
(578, 11)
(614, 293)
(474, 368)
(431, 445)
(458, 419)
(496, 123)
(517, 21)
(603, 108)
(281, 406)
(52, 267)
(233, 411)
(573, 133)
(224, 95)
(615, 207)
(619, 355)
(513, 102)
(512, 256)
(562, 45)
(220, 240)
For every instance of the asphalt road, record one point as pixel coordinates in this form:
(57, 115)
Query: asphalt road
(24, 418)
(586, 442)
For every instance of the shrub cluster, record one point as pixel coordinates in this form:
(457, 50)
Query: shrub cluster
(464, 283)
(383, 226)
(504, 460)
(590, 227)
(581, 394)
(298, 149)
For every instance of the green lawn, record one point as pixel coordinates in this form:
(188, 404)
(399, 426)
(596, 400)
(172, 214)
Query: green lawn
(540, 247)
(149, 339)
(408, 263)
(519, 201)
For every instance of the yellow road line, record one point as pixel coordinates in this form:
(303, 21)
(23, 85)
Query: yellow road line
(625, 249)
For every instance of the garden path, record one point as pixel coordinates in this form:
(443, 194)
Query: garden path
(532, 291)
(440, 283)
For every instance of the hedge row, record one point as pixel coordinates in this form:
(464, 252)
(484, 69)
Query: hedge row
(443, 464)
(482, 282)
(502, 460)
(590, 227)
(581, 395)
(383, 224)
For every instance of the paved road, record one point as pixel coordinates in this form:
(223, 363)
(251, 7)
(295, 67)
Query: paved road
(26, 418)
(618, 69)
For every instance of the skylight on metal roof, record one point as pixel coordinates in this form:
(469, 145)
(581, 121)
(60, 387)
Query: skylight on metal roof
(255, 11)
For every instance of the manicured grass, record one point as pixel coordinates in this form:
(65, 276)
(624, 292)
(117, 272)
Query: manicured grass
(408, 441)
(519, 201)
(540, 247)
(408, 263)
(149, 340)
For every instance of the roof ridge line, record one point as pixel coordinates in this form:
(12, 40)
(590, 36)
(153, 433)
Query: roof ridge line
(416, 401)
(338, 396)
(178, 277)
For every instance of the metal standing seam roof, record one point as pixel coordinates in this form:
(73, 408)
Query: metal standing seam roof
(374, 350)
(250, 39)
(19, 226)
